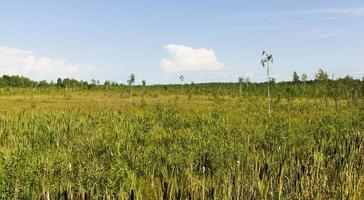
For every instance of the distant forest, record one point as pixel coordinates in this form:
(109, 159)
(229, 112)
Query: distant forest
(322, 86)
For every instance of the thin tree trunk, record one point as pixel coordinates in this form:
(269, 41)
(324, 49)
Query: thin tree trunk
(268, 100)
(241, 89)
(268, 90)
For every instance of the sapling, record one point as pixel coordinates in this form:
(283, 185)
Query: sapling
(247, 80)
(304, 79)
(143, 84)
(241, 80)
(266, 59)
(131, 80)
(296, 77)
(182, 78)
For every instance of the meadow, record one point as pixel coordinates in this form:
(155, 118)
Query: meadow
(208, 142)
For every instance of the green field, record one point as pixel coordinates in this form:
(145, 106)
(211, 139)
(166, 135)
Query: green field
(160, 143)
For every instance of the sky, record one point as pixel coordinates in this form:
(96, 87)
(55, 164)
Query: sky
(206, 41)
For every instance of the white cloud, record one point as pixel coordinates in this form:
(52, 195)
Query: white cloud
(185, 58)
(22, 62)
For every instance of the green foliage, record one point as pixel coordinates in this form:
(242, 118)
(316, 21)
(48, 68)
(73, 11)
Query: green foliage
(266, 59)
(321, 75)
(70, 140)
(225, 148)
(16, 81)
(131, 79)
(296, 77)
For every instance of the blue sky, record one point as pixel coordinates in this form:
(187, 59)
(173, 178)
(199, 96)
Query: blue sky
(159, 40)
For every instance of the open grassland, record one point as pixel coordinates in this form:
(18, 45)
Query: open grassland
(101, 144)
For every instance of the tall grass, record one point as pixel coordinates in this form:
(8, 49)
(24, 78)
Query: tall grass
(199, 148)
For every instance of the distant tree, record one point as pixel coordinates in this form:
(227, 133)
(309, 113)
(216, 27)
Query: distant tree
(241, 80)
(321, 75)
(59, 82)
(296, 78)
(93, 82)
(84, 84)
(247, 80)
(348, 78)
(131, 80)
(143, 84)
(42, 83)
(304, 79)
(67, 82)
(182, 78)
(115, 84)
(107, 84)
(266, 59)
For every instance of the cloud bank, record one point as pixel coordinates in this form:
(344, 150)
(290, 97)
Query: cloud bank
(15, 61)
(187, 59)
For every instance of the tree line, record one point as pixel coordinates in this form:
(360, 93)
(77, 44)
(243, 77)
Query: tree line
(321, 86)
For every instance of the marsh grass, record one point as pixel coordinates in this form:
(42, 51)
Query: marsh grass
(106, 146)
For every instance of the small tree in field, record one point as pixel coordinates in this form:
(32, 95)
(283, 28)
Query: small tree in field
(143, 84)
(182, 78)
(247, 80)
(266, 59)
(131, 80)
(296, 77)
(241, 80)
(321, 75)
(304, 79)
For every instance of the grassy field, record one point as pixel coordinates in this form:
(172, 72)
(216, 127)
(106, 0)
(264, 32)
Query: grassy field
(101, 144)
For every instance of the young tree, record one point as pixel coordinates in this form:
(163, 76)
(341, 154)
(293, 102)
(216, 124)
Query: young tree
(131, 80)
(247, 80)
(296, 78)
(93, 82)
(241, 80)
(266, 59)
(182, 78)
(143, 84)
(59, 82)
(107, 84)
(321, 75)
(304, 79)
